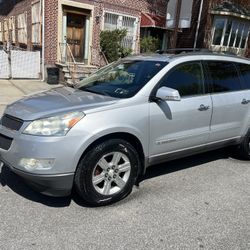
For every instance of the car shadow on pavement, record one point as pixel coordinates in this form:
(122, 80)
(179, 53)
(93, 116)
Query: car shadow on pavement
(17, 184)
(187, 162)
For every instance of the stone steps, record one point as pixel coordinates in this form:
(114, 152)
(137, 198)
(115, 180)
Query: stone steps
(72, 73)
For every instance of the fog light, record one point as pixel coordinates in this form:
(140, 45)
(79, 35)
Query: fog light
(36, 164)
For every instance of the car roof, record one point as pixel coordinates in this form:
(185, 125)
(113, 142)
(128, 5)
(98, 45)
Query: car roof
(190, 55)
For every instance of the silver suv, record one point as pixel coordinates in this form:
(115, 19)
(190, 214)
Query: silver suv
(101, 136)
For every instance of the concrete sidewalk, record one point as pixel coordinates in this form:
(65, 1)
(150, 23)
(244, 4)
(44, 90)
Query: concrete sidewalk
(12, 90)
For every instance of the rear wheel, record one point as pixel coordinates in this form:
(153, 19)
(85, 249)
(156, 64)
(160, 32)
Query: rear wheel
(107, 173)
(244, 147)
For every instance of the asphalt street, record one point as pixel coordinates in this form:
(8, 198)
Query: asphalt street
(200, 202)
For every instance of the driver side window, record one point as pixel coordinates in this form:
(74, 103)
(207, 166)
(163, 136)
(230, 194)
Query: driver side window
(187, 78)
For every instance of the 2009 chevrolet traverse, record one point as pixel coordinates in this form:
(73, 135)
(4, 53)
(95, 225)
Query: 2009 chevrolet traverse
(142, 110)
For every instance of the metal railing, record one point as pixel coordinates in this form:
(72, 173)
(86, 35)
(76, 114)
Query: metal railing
(67, 57)
(66, 53)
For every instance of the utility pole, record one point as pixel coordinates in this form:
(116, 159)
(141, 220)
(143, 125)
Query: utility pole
(177, 21)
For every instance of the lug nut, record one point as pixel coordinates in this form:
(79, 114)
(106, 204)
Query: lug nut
(106, 175)
(116, 171)
(109, 178)
(114, 176)
(108, 169)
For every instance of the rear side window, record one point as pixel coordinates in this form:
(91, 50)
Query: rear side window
(187, 78)
(245, 72)
(224, 76)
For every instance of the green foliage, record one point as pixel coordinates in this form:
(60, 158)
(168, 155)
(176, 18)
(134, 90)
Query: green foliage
(111, 44)
(149, 44)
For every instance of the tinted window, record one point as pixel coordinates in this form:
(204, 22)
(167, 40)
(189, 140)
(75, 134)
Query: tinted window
(245, 72)
(224, 76)
(186, 78)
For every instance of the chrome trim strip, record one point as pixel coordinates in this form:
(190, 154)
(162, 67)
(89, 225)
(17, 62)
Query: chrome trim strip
(195, 147)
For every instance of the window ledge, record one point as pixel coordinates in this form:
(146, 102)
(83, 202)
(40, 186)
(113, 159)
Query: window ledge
(226, 13)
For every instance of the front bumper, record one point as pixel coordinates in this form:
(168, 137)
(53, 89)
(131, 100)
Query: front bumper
(64, 151)
(53, 185)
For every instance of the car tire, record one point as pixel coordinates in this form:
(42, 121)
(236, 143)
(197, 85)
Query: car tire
(107, 173)
(244, 147)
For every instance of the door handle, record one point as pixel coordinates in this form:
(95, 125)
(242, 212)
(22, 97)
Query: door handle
(245, 101)
(203, 107)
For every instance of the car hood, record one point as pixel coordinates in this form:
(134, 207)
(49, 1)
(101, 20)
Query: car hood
(58, 100)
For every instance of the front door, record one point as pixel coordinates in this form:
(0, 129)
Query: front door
(180, 125)
(75, 35)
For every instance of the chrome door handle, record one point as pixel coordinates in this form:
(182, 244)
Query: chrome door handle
(245, 101)
(203, 107)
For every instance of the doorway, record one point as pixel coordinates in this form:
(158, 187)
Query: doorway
(75, 35)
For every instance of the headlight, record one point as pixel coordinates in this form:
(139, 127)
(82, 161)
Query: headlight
(54, 126)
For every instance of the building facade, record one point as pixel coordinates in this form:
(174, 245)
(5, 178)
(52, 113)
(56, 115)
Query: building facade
(223, 27)
(72, 27)
(69, 30)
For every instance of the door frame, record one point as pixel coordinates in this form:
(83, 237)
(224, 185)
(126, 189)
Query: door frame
(62, 9)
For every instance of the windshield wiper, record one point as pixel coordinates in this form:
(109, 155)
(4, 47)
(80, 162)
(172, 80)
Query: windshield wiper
(95, 92)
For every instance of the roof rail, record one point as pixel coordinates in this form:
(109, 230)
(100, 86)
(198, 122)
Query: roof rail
(183, 50)
(193, 50)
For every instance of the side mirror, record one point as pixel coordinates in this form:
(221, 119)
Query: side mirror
(168, 94)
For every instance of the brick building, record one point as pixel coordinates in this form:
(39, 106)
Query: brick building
(72, 28)
(224, 26)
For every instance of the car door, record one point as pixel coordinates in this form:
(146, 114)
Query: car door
(229, 101)
(180, 125)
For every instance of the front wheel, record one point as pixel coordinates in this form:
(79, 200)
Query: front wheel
(244, 147)
(107, 173)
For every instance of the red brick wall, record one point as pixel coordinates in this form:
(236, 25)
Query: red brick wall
(187, 36)
(51, 28)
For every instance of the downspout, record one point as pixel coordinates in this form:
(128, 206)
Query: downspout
(198, 24)
(43, 40)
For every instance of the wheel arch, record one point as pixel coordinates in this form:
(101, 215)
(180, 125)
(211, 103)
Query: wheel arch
(130, 138)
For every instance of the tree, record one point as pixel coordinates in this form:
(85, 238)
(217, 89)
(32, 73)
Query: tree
(111, 44)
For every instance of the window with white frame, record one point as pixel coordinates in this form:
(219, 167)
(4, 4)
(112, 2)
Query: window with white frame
(12, 31)
(36, 23)
(6, 30)
(230, 32)
(22, 28)
(1, 32)
(114, 21)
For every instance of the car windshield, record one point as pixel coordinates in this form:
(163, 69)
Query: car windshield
(122, 79)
